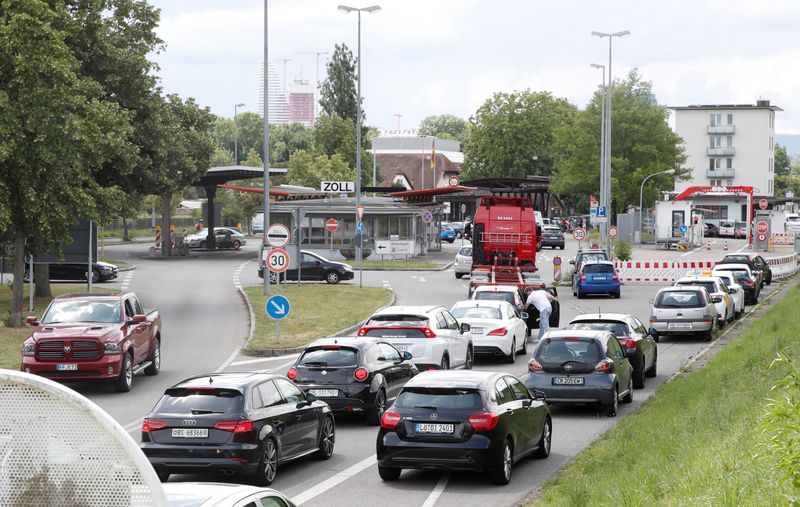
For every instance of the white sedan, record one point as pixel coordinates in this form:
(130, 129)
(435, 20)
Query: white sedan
(736, 290)
(497, 328)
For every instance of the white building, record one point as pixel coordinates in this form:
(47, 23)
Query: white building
(728, 145)
(278, 103)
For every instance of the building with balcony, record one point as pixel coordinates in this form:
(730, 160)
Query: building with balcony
(302, 95)
(728, 145)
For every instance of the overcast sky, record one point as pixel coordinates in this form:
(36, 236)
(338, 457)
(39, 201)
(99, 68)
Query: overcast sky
(445, 56)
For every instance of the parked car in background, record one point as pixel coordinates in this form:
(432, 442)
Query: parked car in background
(710, 230)
(727, 228)
(792, 222)
(740, 232)
(720, 295)
(313, 267)
(447, 234)
(637, 343)
(587, 254)
(497, 328)
(222, 494)
(596, 277)
(235, 424)
(361, 375)
(683, 310)
(736, 291)
(582, 367)
(458, 228)
(479, 421)
(224, 237)
(551, 236)
(749, 280)
(462, 265)
(754, 261)
(76, 271)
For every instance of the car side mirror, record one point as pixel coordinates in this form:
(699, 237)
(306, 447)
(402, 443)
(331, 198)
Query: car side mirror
(716, 299)
(527, 403)
(539, 395)
(731, 291)
(139, 319)
(407, 356)
(652, 331)
(310, 398)
(572, 262)
(465, 327)
(31, 320)
(523, 315)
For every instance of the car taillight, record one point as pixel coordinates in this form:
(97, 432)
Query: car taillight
(362, 331)
(149, 425)
(235, 426)
(484, 421)
(615, 276)
(428, 332)
(390, 419)
(292, 373)
(583, 277)
(628, 343)
(605, 366)
(534, 366)
(653, 319)
(501, 331)
(361, 374)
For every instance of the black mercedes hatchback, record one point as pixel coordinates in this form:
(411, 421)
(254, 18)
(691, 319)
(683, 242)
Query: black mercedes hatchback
(235, 423)
(463, 420)
(360, 375)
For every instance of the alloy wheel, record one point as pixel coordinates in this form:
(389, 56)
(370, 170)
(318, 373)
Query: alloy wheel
(270, 461)
(129, 373)
(328, 438)
(507, 462)
(470, 359)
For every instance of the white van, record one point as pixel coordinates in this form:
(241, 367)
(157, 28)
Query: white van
(792, 223)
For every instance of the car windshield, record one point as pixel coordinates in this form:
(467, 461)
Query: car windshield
(465, 251)
(551, 230)
(200, 401)
(612, 326)
(598, 268)
(679, 299)
(472, 312)
(494, 296)
(711, 287)
(444, 398)
(560, 350)
(69, 311)
(330, 355)
(793, 219)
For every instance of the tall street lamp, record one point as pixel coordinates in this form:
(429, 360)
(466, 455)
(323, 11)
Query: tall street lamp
(602, 133)
(360, 244)
(607, 182)
(265, 154)
(236, 133)
(641, 195)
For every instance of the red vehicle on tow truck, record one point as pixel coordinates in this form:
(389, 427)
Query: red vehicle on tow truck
(504, 237)
(104, 336)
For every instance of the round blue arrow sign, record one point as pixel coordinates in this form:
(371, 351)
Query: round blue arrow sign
(683, 228)
(278, 307)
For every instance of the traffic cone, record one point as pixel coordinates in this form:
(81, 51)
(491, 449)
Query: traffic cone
(708, 245)
(726, 246)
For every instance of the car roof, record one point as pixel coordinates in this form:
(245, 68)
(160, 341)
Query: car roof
(600, 316)
(346, 341)
(114, 294)
(697, 279)
(408, 310)
(225, 380)
(469, 379)
(496, 288)
(732, 265)
(216, 492)
(579, 333)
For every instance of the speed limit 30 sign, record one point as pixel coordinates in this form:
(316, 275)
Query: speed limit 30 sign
(277, 260)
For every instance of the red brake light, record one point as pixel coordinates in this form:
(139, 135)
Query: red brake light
(390, 419)
(235, 426)
(615, 276)
(498, 332)
(583, 277)
(362, 331)
(292, 373)
(605, 366)
(428, 332)
(361, 374)
(534, 366)
(484, 421)
(628, 343)
(149, 425)
(331, 347)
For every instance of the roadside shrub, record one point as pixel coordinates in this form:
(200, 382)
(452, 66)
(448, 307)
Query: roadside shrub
(782, 423)
(623, 250)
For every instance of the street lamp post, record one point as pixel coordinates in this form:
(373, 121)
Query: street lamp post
(360, 244)
(602, 134)
(236, 134)
(265, 154)
(607, 182)
(641, 198)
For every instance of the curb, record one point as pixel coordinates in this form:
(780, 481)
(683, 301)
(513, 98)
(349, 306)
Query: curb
(130, 267)
(443, 268)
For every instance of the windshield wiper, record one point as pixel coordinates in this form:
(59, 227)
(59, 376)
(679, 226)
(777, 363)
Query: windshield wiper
(315, 363)
(427, 407)
(199, 411)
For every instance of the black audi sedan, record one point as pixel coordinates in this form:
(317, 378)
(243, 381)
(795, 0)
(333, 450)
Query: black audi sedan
(361, 375)
(235, 424)
(463, 420)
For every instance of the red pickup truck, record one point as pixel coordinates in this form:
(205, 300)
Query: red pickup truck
(94, 337)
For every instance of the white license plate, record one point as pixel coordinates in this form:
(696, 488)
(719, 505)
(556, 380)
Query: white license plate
(66, 367)
(324, 393)
(600, 278)
(189, 432)
(476, 330)
(402, 347)
(435, 428)
(679, 325)
(568, 381)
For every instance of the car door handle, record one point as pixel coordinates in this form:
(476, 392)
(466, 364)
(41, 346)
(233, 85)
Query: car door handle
(277, 423)
(297, 417)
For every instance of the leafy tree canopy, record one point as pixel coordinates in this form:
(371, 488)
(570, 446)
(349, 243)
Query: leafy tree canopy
(445, 126)
(338, 90)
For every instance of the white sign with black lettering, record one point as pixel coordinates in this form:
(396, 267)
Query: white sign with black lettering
(394, 247)
(338, 187)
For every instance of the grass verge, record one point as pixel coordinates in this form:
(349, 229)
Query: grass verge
(11, 338)
(699, 439)
(318, 310)
(401, 264)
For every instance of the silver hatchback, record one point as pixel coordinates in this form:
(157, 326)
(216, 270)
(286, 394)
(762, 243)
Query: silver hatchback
(463, 262)
(683, 310)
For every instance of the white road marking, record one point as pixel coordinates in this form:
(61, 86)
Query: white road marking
(229, 360)
(422, 279)
(261, 360)
(437, 491)
(273, 368)
(745, 246)
(237, 272)
(127, 281)
(334, 481)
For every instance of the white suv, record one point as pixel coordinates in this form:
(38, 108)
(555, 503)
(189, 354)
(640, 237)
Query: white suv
(431, 334)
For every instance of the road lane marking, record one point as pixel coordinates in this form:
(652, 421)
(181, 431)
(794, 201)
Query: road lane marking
(279, 367)
(437, 491)
(229, 360)
(422, 279)
(745, 246)
(334, 481)
(237, 273)
(127, 281)
(261, 360)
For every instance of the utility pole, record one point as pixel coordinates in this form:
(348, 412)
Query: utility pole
(266, 147)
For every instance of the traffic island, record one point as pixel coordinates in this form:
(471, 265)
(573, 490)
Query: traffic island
(315, 311)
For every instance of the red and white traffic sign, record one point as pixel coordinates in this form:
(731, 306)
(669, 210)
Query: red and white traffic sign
(278, 235)
(762, 237)
(277, 260)
(762, 203)
(613, 232)
(427, 216)
(762, 227)
(359, 212)
(579, 234)
(453, 181)
(332, 224)
(556, 261)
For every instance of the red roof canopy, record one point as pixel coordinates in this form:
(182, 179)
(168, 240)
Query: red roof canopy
(423, 193)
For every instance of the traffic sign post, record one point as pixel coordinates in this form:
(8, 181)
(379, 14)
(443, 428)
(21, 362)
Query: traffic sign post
(761, 241)
(360, 227)
(579, 234)
(277, 260)
(683, 228)
(612, 232)
(277, 308)
(427, 216)
(556, 268)
(359, 212)
(278, 235)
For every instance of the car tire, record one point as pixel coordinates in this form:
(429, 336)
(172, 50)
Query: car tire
(709, 335)
(470, 360)
(512, 357)
(268, 465)
(327, 439)
(653, 370)
(638, 375)
(628, 398)
(501, 475)
(155, 359)
(202, 244)
(332, 277)
(721, 323)
(769, 280)
(273, 278)
(124, 381)
(617, 295)
(95, 276)
(524, 350)
(611, 408)
(451, 240)
(389, 474)
(237, 244)
(459, 276)
(543, 449)
(561, 247)
(657, 337)
(376, 411)
(445, 364)
(163, 476)
(458, 235)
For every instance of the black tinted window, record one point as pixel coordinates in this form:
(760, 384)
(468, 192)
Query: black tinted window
(598, 268)
(200, 401)
(520, 391)
(557, 350)
(269, 394)
(291, 393)
(444, 398)
(680, 299)
(477, 312)
(616, 328)
(329, 356)
(503, 392)
(389, 353)
(709, 286)
(398, 320)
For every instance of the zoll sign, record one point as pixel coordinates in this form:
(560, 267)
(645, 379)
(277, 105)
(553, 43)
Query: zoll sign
(338, 187)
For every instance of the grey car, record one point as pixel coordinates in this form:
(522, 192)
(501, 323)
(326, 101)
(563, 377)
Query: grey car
(462, 265)
(583, 367)
(683, 310)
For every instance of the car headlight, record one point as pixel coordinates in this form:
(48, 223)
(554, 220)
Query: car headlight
(348, 268)
(111, 348)
(106, 269)
(28, 349)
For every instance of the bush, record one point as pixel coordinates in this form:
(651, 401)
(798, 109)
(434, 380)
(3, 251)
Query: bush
(782, 423)
(623, 250)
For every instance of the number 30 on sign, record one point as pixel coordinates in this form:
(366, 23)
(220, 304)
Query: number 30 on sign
(277, 260)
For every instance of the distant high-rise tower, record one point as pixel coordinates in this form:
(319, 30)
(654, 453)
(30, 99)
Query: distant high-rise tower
(278, 105)
(301, 102)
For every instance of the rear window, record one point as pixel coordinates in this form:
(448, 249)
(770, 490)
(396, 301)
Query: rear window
(398, 320)
(680, 299)
(792, 219)
(466, 251)
(710, 286)
(495, 296)
(616, 328)
(598, 268)
(591, 257)
(200, 401)
(559, 350)
(445, 398)
(740, 274)
(393, 332)
(472, 312)
(329, 356)
(736, 259)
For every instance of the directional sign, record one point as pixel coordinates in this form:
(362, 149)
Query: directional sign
(359, 212)
(396, 247)
(453, 181)
(683, 228)
(360, 227)
(332, 224)
(277, 260)
(278, 235)
(278, 307)
(762, 203)
(579, 234)
(762, 227)
(556, 261)
(613, 232)
(427, 216)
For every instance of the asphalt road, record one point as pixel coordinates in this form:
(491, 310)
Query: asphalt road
(205, 321)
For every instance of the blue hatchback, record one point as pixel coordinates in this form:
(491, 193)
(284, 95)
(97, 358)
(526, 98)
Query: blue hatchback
(447, 234)
(596, 277)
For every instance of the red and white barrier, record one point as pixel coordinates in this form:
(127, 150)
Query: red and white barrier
(783, 266)
(669, 271)
(782, 239)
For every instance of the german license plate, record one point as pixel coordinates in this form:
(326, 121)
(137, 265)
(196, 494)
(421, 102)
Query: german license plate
(679, 325)
(324, 393)
(476, 330)
(189, 432)
(401, 347)
(600, 278)
(435, 428)
(66, 367)
(568, 381)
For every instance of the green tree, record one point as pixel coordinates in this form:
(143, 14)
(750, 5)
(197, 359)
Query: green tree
(308, 169)
(337, 93)
(641, 142)
(514, 135)
(334, 135)
(285, 140)
(445, 126)
(782, 161)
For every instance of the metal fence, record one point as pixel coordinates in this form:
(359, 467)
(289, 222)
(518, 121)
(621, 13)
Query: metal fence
(628, 226)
